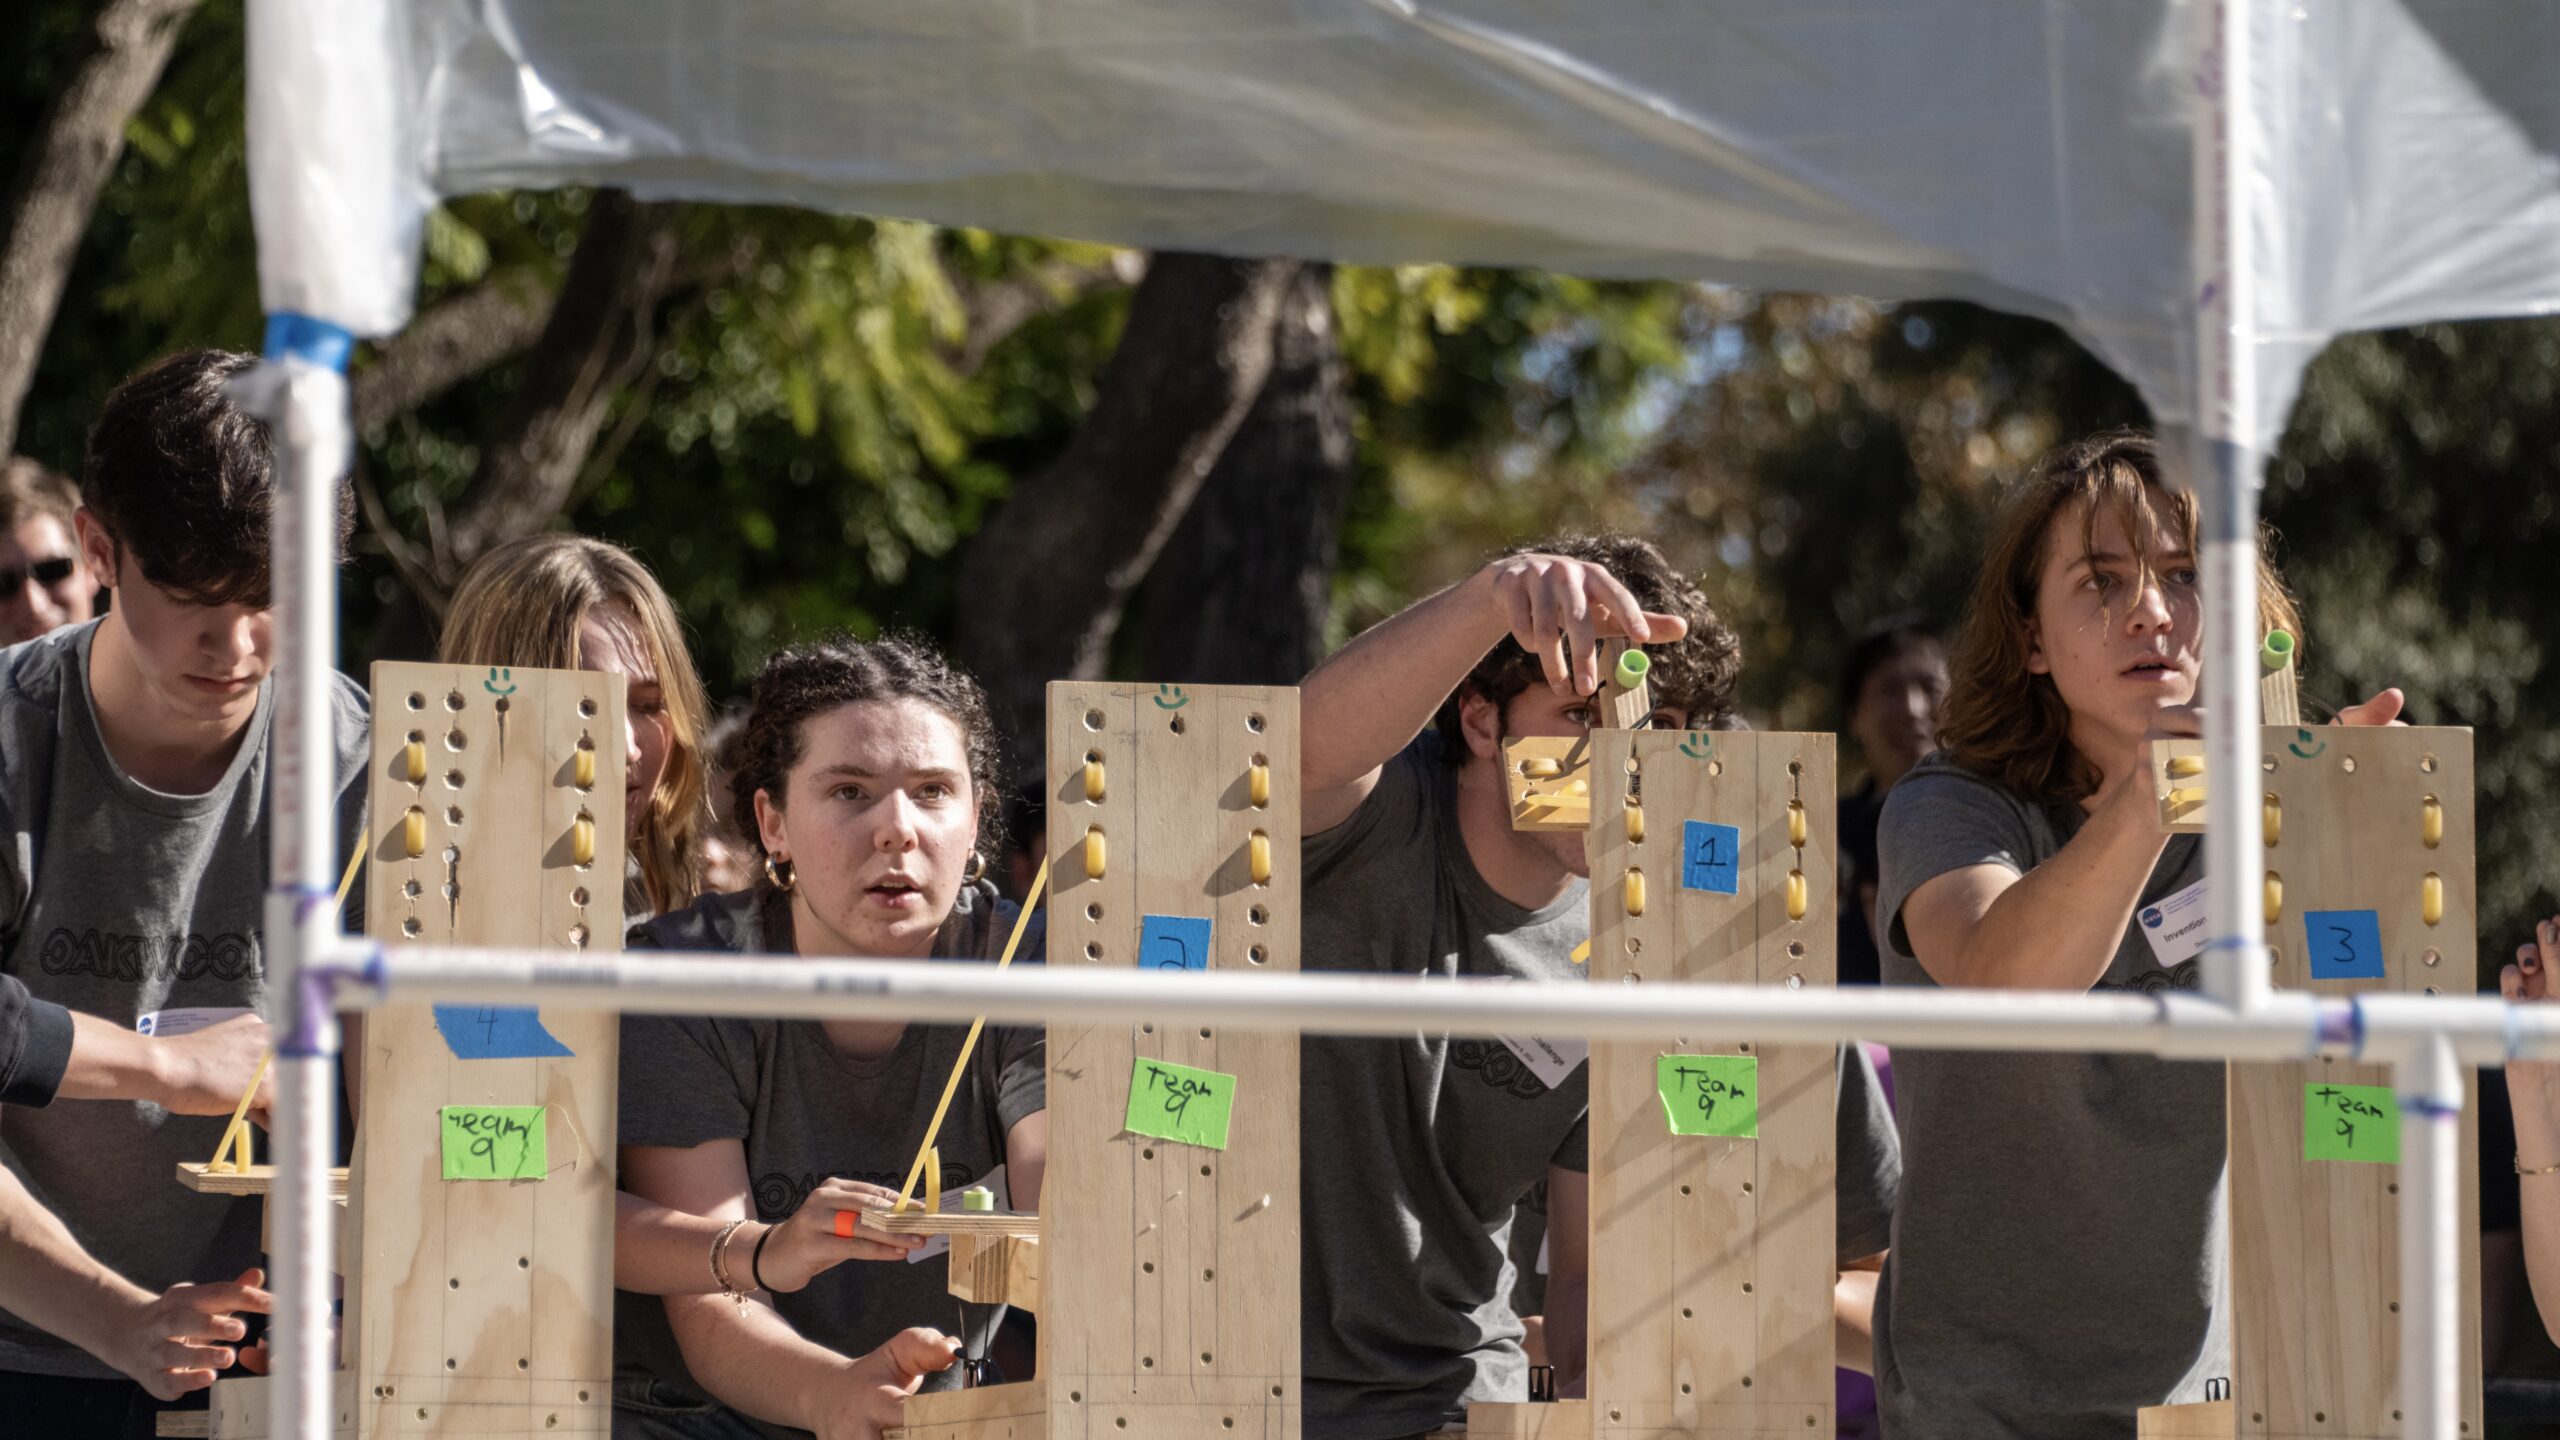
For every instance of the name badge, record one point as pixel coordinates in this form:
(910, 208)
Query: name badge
(2174, 925)
(170, 1024)
(1550, 1060)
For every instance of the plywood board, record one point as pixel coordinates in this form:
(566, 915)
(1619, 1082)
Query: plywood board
(247, 1180)
(1548, 780)
(1712, 1258)
(2316, 1243)
(1183, 1261)
(485, 1307)
(953, 1222)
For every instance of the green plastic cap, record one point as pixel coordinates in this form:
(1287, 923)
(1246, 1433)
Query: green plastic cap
(977, 1197)
(1632, 666)
(2277, 653)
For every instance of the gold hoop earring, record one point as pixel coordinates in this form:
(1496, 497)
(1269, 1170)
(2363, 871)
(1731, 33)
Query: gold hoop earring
(977, 869)
(780, 873)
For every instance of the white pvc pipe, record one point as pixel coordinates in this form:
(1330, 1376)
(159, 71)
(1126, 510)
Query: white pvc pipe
(2291, 1025)
(2430, 1095)
(2225, 474)
(306, 406)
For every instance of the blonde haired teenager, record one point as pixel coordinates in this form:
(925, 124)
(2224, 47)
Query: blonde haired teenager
(2059, 1257)
(570, 602)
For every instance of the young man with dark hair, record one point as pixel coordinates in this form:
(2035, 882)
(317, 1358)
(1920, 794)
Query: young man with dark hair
(44, 583)
(1419, 1151)
(133, 866)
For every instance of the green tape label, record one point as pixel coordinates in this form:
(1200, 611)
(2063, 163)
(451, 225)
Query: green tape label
(1710, 1094)
(494, 1142)
(2350, 1122)
(1180, 1104)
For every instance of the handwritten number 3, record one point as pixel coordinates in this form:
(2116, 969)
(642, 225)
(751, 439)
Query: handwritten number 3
(2346, 945)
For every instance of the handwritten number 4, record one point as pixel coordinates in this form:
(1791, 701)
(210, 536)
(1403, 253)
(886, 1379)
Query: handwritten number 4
(2347, 1128)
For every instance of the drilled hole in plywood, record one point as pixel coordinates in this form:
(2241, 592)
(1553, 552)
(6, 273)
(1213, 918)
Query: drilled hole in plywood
(1258, 955)
(455, 740)
(1795, 949)
(1257, 916)
(453, 779)
(2427, 764)
(1253, 723)
(1147, 1267)
(1175, 725)
(1795, 767)
(2347, 763)
(453, 700)
(453, 814)
(409, 888)
(1714, 768)
(1093, 949)
(417, 701)
(409, 927)
(578, 937)
(578, 897)
(1093, 912)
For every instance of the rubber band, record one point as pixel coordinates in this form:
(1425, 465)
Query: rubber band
(1021, 921)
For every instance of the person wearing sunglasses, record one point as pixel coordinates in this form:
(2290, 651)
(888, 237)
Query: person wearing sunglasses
(44, 585)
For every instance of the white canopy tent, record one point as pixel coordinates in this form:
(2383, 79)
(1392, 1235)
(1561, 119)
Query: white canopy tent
(2205, 191)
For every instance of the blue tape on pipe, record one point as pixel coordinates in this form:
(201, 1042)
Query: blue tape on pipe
(303, 337)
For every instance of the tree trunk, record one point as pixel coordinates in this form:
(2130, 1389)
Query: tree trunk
(601, 334)
(448, 343)
(1044, 584)
(83, 135)
(1241, 595)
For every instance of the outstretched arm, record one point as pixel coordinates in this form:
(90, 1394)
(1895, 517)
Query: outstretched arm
(1367, 702)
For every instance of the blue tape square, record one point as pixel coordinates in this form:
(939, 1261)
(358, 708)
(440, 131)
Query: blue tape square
(1710, 857)
(497, 1032)
(1173, 942)
(2344, 944)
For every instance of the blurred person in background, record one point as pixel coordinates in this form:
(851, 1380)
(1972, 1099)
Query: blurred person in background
(44, 583)
(1890, 690)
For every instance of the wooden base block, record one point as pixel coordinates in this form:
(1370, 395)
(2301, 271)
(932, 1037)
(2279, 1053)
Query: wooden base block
(240, 1408)
(991, 1412)
(2204, 1420)
(1655, 1420)
(1513, 1420)
(997, 1270)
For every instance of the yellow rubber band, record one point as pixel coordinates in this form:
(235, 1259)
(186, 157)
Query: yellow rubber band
(907, 1192)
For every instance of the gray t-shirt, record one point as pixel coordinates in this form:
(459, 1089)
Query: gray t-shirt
(2059, 1259)
(808, 1111)
(122, 901)
(1416, 1151)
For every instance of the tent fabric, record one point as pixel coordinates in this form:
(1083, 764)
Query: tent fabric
(2034, 156)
